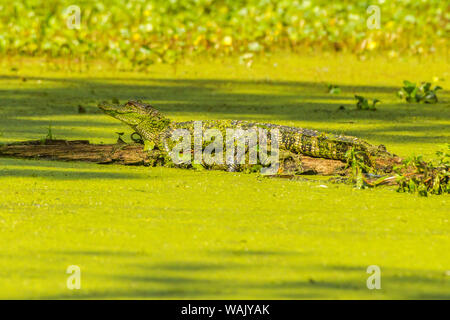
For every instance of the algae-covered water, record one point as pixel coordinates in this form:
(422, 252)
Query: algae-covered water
(138, 232)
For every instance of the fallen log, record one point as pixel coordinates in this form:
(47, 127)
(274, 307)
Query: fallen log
(134, 154)
(77, 150)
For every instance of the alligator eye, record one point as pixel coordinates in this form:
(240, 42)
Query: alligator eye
(382, 148)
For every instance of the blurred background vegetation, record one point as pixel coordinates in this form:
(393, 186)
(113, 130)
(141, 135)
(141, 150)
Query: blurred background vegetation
(135, 34)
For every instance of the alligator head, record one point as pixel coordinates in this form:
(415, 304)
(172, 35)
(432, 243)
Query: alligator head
(132, 113)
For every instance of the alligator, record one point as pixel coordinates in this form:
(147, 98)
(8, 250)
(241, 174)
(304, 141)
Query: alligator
(155, 128)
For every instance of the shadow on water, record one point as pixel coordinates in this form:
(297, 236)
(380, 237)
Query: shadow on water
(217, 279)
(273, 100)
(55, 174)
